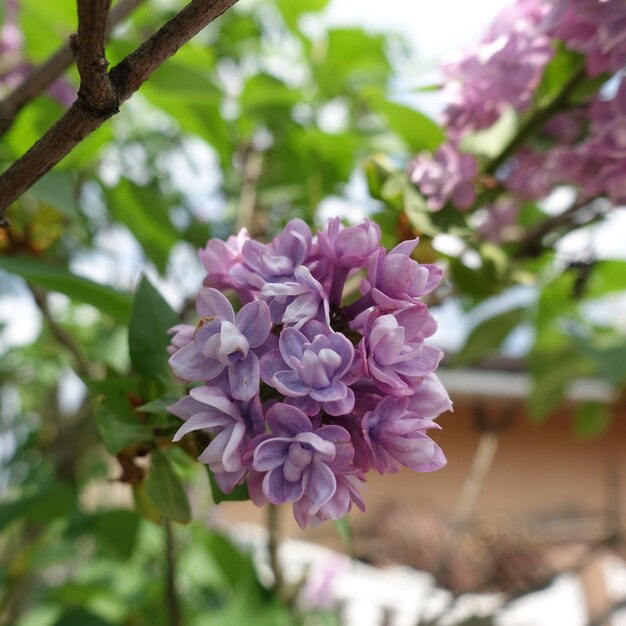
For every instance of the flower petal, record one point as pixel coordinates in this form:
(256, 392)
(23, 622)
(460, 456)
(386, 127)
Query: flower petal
(244, 377)
(253, 320)
(212, 303)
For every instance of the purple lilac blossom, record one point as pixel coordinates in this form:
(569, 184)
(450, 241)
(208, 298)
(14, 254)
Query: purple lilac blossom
(308, 368)
(445, 177)
(395, 436)
(297, 301)
(394, 350)
(225, 342)
(396, 280)
(292, 384)
(233, 424)
(276, 261)
(300, 463)
(502, 71)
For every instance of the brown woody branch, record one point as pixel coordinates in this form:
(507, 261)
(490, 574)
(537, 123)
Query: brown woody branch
(96, 91)
(126, 77)
(43, 76)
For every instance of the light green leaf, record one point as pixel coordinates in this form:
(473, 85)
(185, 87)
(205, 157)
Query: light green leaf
(42, 273)
(491, 141)
(417, 130)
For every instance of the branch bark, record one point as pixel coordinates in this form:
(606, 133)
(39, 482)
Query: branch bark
(44, 75)
(126, 78)
(96, 92)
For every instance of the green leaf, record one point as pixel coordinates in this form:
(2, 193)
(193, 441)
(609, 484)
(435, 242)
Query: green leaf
(44, 274)
(488, 335)
(51, 502)
(159, 405)
(292, 11)
(238, 494)
(592, 419)
(491, 141)
(81, 617)
(606, 277)
(147, 333)
(117, 434)
(116, 532)
(166, 489)
(144, 505)
(417, 130)
(418, 213)
(345, 532)
(146, 213)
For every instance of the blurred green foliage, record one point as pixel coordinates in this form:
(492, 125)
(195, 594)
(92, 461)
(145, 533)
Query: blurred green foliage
(314, 111)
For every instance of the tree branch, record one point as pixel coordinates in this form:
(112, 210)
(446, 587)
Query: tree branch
(44, 75)
(96, 91)
(83, 366)
(126, 77)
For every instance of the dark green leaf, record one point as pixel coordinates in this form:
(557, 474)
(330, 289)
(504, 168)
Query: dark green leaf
(166, 489)
(44, 274)
(117, 434)
(147, 333)
(159, 405)
(81, 617)
(238, 494)
(51, 502)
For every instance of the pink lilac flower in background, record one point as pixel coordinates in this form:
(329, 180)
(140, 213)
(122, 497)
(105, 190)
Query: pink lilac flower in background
(307, 386)
(582, 146)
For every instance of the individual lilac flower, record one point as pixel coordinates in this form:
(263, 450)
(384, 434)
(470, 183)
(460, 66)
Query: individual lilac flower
(396, 436)
(182, 334)
(394, 349)
(445, 176)
(233, 426)
(395, 280)
(346, 248)
(218, 257)
(276, 261)
(430, 398)
(299, 462)
(225, 342)
(309, 368)
(297, 301)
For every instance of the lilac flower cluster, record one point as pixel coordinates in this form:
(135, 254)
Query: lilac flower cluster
(301, 393)
(582, 146)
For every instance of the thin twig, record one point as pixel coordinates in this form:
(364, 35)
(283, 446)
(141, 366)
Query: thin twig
(273, 540)
(43, 76)
(251, 174)
(126, 77)
(96, 91)
(171, 594)
(83, 366)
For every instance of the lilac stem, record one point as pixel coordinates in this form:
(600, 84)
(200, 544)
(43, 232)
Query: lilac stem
(340, 274)
(364, 302)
